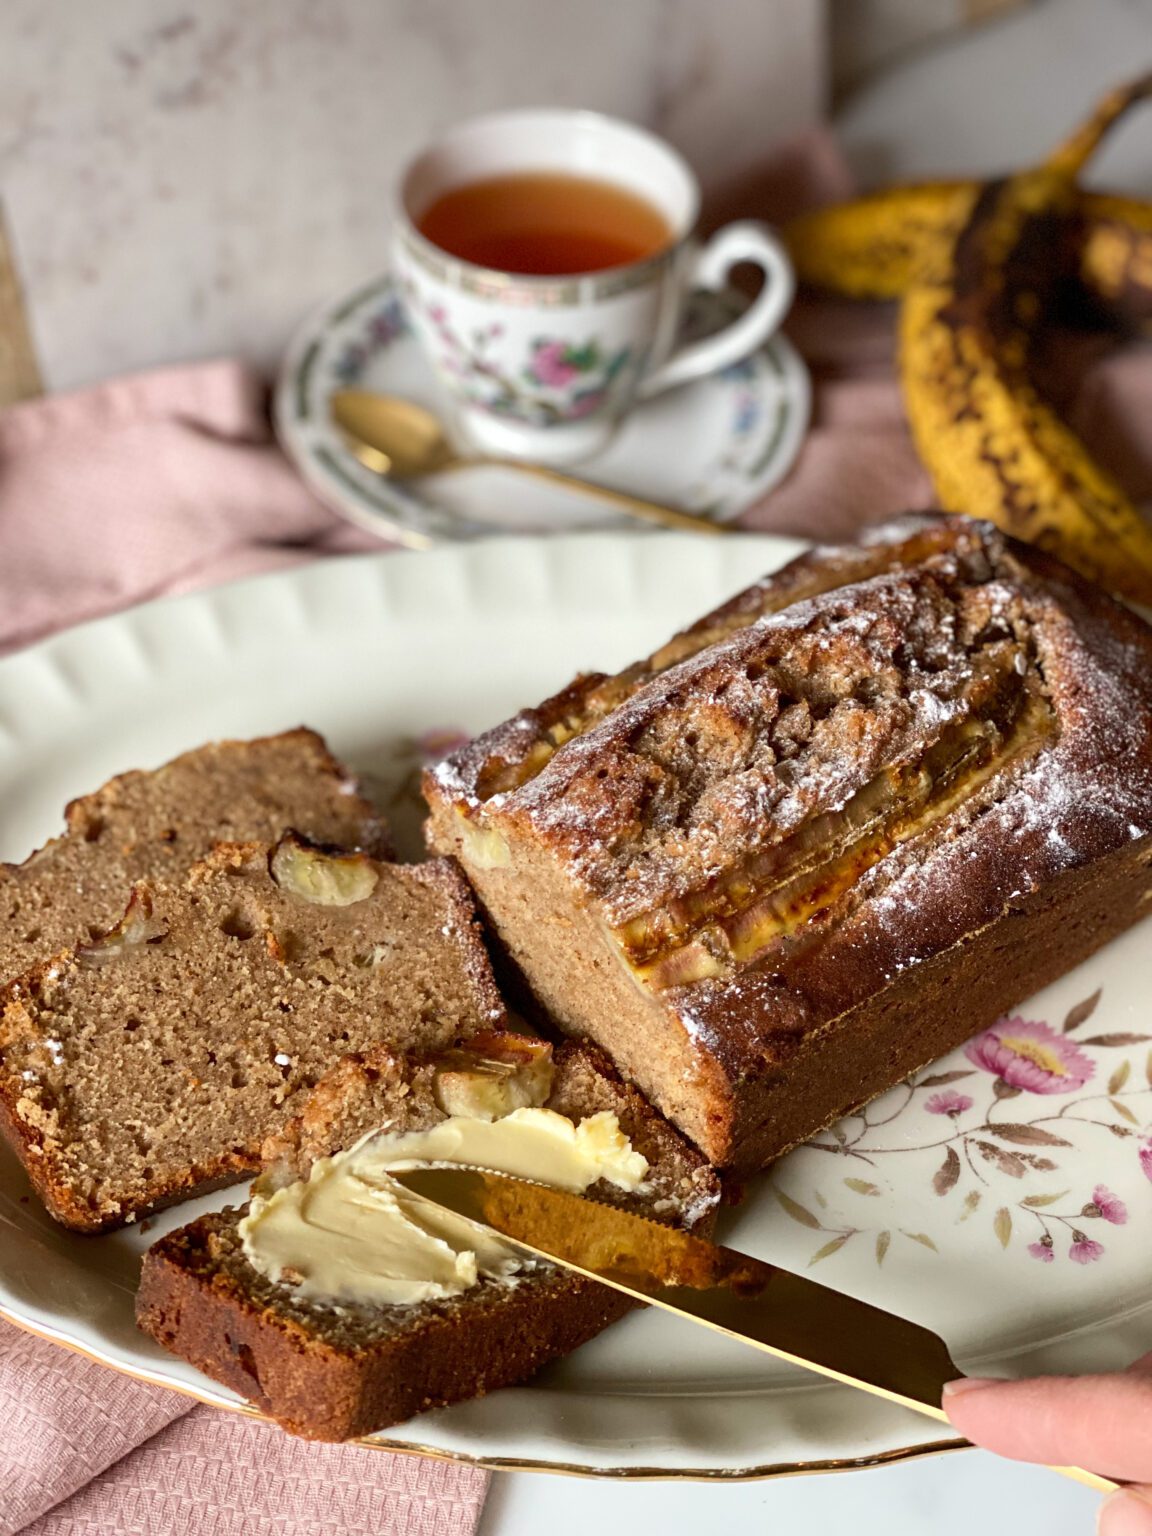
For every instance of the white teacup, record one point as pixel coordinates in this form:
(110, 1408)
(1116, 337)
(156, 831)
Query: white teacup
(545, 367)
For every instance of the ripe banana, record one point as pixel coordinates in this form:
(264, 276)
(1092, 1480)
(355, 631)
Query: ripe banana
(876, 246)
(994, 446)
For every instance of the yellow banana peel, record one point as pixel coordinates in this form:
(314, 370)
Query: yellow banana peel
(993, 444)
(877, 246)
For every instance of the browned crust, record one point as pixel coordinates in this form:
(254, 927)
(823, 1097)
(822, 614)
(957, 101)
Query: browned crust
(889, 546)
(365, 1089)
(63, 1204)
(934, 1007)
(502, 1336)
(956, 891)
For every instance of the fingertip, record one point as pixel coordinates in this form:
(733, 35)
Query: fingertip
(1127, 1513)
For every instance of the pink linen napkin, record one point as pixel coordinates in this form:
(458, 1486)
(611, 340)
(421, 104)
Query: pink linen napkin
(85, 1451)
(157, 482)
(170, 480)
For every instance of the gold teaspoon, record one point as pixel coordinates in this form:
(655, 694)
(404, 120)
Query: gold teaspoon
(403, 441)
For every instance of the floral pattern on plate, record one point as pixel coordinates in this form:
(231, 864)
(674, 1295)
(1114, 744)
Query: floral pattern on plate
(992, 1135)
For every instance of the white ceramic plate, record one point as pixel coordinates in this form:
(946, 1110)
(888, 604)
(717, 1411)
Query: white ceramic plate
(714, 446)
(937, 1202)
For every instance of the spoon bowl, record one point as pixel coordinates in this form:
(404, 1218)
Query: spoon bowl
(392, 436)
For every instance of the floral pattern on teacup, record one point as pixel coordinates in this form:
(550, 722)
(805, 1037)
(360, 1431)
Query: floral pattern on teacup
(553, 381)
(579, 378)
(1033, 1097)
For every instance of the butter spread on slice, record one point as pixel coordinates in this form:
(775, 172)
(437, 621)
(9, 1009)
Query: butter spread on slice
(349, 1234)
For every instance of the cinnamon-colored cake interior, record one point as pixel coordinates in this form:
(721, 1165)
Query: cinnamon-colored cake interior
(155, 825)
(148, 1066)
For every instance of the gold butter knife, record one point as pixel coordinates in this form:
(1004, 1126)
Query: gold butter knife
(771, 1309)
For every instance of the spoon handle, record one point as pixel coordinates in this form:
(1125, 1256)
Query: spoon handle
(636, 506)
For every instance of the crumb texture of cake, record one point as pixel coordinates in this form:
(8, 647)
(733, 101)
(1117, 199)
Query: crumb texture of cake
(335, 1372)
(156, 825)
(149, 1065)
(826, 834)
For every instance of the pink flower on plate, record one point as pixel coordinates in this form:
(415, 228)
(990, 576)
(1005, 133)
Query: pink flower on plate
(1084, 1250)
(550, 364)
(948, 1103)
(1042, 1250)
(1145, 1156)
(1028, 1054)
(1105, 1203)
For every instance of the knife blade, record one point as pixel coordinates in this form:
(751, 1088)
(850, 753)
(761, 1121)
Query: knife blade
(770, 1308)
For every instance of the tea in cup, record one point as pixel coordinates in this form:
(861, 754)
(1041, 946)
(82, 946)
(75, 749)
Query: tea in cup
(546, 258)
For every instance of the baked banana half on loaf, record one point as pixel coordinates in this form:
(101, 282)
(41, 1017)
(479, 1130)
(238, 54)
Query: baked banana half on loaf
(336, 1327)
(827, 833)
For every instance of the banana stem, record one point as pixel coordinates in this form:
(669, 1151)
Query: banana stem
(1071, 156)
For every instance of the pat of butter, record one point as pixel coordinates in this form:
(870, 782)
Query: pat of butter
(349, 1234)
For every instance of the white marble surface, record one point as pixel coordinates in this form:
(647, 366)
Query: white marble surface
(187, 177)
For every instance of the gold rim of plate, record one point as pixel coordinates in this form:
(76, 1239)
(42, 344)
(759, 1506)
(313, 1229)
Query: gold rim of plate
(518, 1464)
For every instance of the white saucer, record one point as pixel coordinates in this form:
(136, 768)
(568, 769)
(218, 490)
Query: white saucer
(715, 446)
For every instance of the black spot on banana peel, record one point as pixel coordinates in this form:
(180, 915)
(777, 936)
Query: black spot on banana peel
(993, 444)
(877, 246)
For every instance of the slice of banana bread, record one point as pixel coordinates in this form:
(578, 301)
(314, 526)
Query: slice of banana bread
(829, 841)
(156, 825)
(150, 1065)
(331, 1373)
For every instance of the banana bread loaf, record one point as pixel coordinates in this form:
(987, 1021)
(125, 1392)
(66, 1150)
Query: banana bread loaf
(144, 826)
(332, 1372)
(150, 1065)
(827, 833)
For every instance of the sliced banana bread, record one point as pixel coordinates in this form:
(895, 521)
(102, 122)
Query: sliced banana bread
(831, 840)
(151, 1064)
(156, 825)
(331, 1372)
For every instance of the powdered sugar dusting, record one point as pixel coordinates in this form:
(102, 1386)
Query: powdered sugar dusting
(785, 721)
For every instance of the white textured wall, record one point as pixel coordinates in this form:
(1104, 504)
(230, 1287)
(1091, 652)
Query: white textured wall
(184, 178)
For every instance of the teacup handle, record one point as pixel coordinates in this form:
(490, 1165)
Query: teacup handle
(743, 241)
